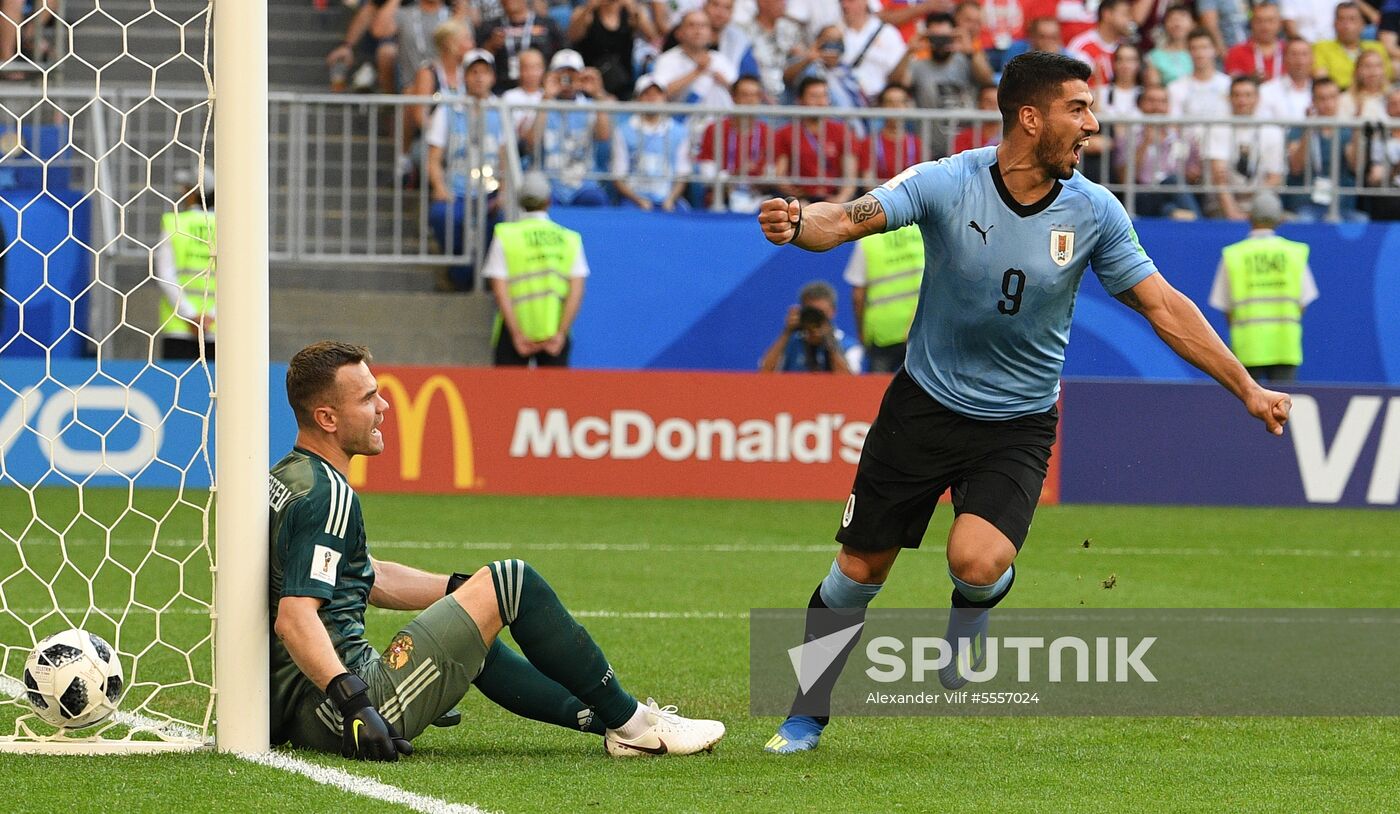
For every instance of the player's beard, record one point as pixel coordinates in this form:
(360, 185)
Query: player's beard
(1052, 158)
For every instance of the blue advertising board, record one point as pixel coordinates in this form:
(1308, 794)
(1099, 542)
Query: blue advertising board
(74, 422)
(1194, 444)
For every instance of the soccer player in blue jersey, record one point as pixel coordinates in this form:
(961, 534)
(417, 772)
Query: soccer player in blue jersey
(1008, 233)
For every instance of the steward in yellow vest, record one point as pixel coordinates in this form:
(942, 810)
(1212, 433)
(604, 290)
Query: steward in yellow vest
(1263, 284)
(537, 271)
(184, 265)
(885, 272)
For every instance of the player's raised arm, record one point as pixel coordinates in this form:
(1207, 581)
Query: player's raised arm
(1180, 324)
(820, 226)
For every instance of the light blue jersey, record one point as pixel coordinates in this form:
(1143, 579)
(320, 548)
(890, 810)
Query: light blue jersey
(472, 145)
(1000, 279)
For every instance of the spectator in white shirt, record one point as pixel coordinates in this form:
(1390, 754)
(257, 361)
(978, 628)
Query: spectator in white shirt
(691, 72)
(528, 92)
(1120, 98)
(730, 40)
(650, 154)
(1243, 157)
(1384, 169)
(1312, 19)
(1205, 90)
(1289, 95)
(873, 47)
(776, 39)
(670, 13)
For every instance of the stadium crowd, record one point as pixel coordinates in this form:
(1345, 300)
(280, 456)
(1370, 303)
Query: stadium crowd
(1213, 60)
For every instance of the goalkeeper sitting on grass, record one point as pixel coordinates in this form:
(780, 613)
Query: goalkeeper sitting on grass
(332, 691)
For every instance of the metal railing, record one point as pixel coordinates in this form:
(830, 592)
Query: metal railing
(340, 193)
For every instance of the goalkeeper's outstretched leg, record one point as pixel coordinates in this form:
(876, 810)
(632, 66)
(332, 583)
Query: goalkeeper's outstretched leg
(511, 593)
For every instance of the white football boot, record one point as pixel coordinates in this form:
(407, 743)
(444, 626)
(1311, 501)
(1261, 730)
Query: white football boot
(669, 734)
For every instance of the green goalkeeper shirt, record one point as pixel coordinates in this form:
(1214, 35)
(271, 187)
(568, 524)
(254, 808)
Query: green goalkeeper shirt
(317, 536)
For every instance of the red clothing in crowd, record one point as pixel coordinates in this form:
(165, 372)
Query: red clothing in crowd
(1075, 17)
(1244, 59)
(895, 154)
(818, 158)
(1091, 48)
(967, 138)
(745, 149)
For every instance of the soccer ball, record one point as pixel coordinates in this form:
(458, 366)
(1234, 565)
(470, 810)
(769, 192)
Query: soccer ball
(73, 679)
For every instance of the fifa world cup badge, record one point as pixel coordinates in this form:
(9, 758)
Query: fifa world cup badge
(1061, 246)
(399, 652)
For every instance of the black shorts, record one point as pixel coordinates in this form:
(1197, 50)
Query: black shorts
(917, 449)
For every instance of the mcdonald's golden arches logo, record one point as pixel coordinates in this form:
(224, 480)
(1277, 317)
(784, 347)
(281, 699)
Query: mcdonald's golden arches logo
(410, 412)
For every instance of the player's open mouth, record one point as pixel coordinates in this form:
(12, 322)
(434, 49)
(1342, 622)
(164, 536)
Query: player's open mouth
(1078, 149)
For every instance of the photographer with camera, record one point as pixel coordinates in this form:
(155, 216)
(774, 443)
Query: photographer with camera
(564, 142)
(955, 68)
(809, 342)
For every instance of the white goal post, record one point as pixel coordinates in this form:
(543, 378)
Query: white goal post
(126, 509)
(241, 158)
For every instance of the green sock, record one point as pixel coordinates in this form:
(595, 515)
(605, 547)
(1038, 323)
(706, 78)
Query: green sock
(511, 682)
(557, 644)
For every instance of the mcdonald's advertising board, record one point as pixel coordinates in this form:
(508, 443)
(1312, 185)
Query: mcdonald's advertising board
(734, 435)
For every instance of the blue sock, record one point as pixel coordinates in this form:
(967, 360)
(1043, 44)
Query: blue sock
(982, 596)
(840, 592)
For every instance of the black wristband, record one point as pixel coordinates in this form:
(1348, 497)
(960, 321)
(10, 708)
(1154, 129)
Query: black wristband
(349, 693)
(455, 581)
(797, 227)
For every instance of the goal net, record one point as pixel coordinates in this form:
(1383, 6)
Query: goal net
(107, 381)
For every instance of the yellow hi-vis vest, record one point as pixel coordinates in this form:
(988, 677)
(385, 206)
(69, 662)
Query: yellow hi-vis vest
(1266, 289)
(191, 235)
(539, 256)
(894, 268)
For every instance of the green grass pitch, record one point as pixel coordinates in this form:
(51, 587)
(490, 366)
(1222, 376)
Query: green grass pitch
(701, 565)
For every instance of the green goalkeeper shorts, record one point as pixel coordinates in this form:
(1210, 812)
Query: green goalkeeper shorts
(419, 677)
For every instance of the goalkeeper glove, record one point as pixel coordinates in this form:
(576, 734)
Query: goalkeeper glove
(365, 735)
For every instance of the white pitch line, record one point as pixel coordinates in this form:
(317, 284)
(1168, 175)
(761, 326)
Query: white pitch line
(325, 775)
(135, 720)
(607, 614)
(1352, 553)
(362, 786)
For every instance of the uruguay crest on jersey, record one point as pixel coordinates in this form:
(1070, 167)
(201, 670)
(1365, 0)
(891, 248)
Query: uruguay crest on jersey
(1061, 246)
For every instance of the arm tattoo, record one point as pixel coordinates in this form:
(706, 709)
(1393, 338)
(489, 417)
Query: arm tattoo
(863, 209)
(1129, 299)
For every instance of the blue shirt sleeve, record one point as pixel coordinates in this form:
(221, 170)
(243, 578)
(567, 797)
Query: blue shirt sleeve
(1118, 259)
(922, 192)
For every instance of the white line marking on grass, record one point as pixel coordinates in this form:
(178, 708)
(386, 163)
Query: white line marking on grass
(1352, 553)
(356, 784)
(325, 775)
(608, 614)
(135, 720)
(709, 548)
